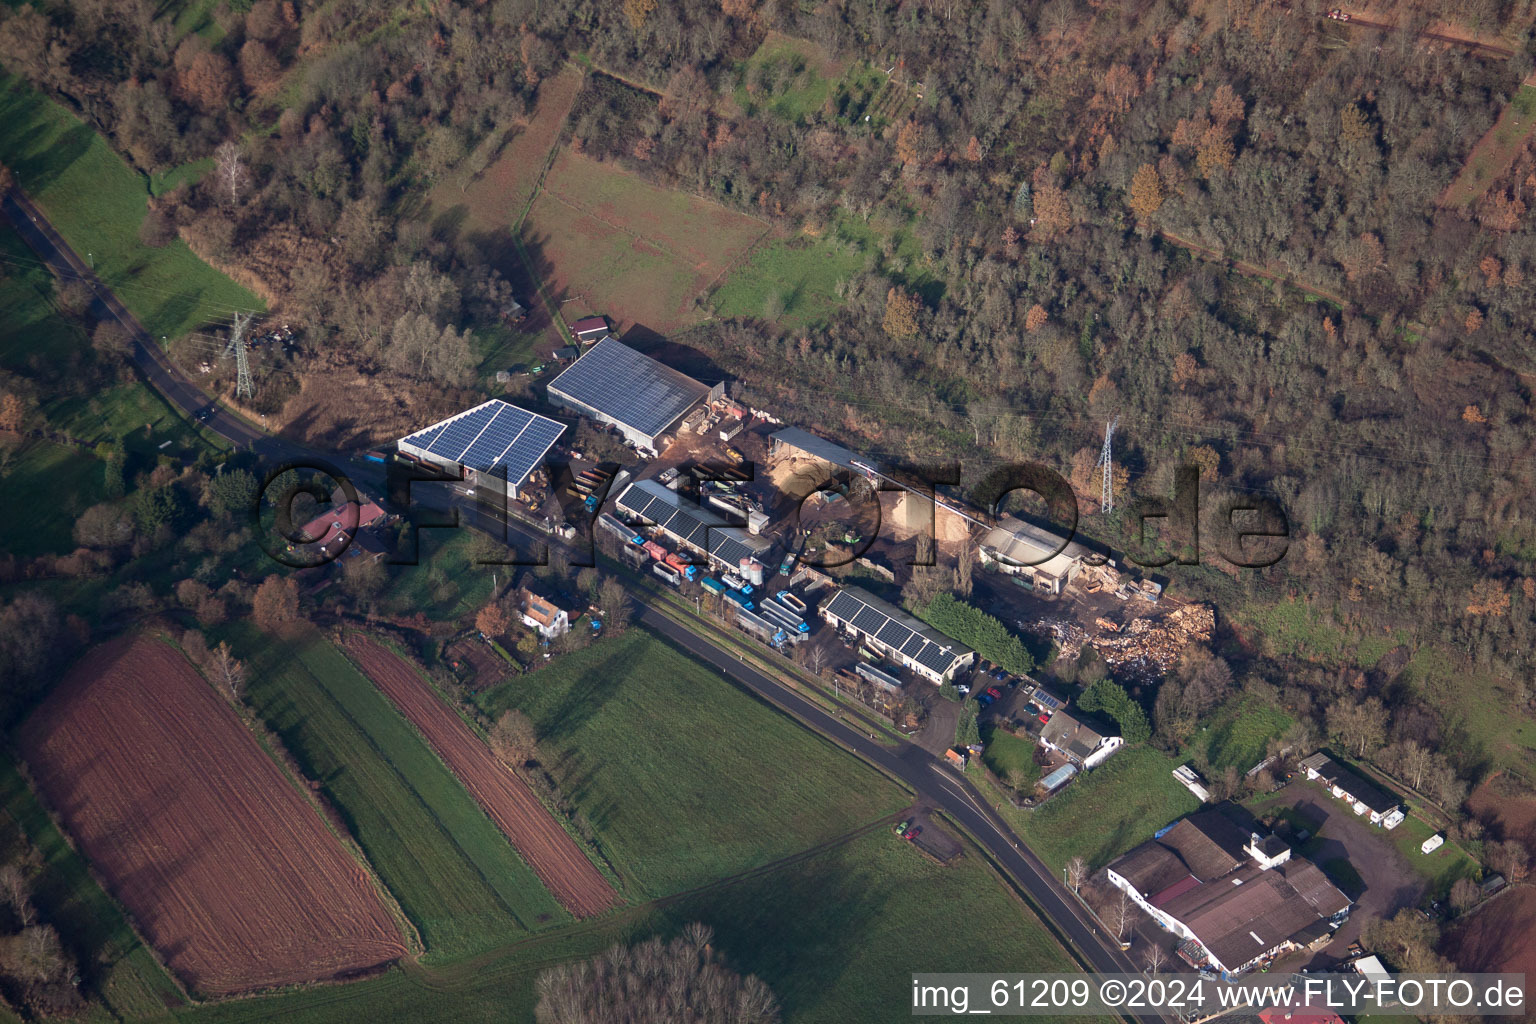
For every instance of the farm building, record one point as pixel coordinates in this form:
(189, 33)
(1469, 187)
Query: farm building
(1022, 549)
(1240, 898)
(1082, 745)
(640, 397)
(590, 329)
(890, 631)
(793, 440)
(542, 615)
(491, 442)
(690, 524)
(1364, 796)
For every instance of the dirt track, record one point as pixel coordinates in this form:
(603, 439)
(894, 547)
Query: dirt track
(229, 872)
(549, 850)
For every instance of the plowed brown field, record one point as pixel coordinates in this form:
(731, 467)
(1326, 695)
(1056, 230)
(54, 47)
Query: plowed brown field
(549, 850)
(228, 871)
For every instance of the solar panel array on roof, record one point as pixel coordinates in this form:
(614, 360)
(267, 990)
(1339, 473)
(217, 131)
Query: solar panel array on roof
(633, 389)
(873, 617)
(489, 436)
(689, 523)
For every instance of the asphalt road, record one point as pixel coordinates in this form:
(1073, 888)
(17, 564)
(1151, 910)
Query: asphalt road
(928, 777)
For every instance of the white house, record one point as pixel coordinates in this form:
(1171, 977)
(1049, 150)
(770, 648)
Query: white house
(1082, 745)
(543, 616)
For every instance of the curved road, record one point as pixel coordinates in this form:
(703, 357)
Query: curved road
(914, 766)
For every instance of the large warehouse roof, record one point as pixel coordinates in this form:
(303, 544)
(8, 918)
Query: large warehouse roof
(689, 523)
(897, 630)
(491, 435)
(633, 389)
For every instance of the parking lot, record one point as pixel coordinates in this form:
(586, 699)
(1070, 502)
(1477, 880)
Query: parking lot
(1387, 882)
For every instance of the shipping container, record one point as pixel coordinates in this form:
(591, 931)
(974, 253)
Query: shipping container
(655, 550)
(738, 598)
(712, 585)
(682, 565)
(667, 573)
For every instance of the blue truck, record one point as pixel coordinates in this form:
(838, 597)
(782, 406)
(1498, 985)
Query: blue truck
(739, 599)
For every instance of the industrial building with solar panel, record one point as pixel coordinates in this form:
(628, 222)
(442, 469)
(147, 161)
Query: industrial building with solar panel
(640, 397)
(486, 440)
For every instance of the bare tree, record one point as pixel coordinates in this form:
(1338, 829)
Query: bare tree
(229, 669)
(1077, 873)
(16, 892)
(1155, 957)
(1121, 914)
(229, 166)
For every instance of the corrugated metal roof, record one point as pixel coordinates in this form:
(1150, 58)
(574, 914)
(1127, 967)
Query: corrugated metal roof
(821, 448)
(489, 436)
(628, 387)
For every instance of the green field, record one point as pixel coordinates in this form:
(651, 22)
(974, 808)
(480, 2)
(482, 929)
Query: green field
(836, 936)
(685, 779)
(97, 203)
(1441, 868)
(453, 872)
(1238, 733)
(787, 77)
(1477, 701)
(795, 281)
(116, 964)
(1107, 811)
(1005, 752)
(446, 582)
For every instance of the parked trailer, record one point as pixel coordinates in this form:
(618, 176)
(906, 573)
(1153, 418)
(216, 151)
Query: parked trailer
(373, 456)
(682, 565)
(712, 585)
(666, 572)
(655, 550)
(615, 526)
(795, 604)
(739, 599)
(782, 615)
(737, 583)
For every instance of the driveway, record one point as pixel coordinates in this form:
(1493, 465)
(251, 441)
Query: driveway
(1390, 882)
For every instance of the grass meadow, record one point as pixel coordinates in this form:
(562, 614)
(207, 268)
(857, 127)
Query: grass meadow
(1106, 811)
(835, 935)
(97, 202)
(454, 874)
(685, 778)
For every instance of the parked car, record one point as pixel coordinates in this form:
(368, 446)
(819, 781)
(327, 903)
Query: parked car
(1043, 717)
(994, 693)
(999, 674)
(913, 833)
(963, 689)
(901, 829)
(985, 700)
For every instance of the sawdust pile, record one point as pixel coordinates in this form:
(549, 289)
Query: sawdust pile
(905, 514)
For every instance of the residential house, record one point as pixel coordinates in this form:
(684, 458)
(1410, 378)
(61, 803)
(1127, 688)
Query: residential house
(1083, 745)
(542, 615)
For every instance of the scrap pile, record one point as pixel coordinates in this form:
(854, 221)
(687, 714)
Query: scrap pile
(1154, 646)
